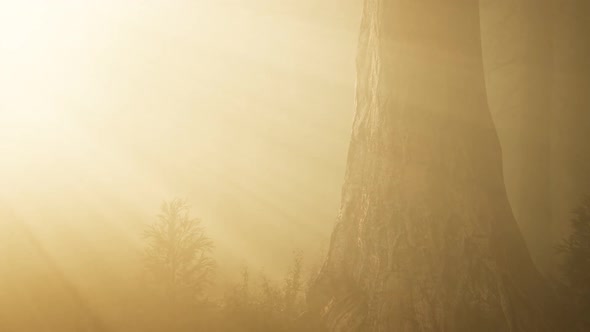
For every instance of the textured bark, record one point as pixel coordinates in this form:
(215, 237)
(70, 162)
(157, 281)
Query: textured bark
(517, 51)
(425, 240)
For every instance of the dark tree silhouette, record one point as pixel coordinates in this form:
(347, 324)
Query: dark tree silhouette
(576, 253)
(267, 305)
(178, 261)
(294, 284)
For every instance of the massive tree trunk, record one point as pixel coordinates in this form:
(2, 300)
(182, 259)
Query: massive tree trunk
(516, 38)
(426, 240)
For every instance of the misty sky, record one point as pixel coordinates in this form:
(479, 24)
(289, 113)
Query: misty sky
(110, 107)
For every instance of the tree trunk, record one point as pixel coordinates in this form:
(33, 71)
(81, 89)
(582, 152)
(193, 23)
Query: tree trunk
(571, 109)
(426, 240)
(517, 50)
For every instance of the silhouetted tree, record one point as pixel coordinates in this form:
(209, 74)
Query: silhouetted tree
(294, 285)
(576, 252)
(178, 261)
(268, 307)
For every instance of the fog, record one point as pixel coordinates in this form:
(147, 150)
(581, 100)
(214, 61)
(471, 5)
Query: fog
(241, 108)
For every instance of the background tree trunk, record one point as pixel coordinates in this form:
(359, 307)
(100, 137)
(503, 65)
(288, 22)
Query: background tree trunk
(517, 51)
(426, 240)
(537, 60)
(570, 172)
